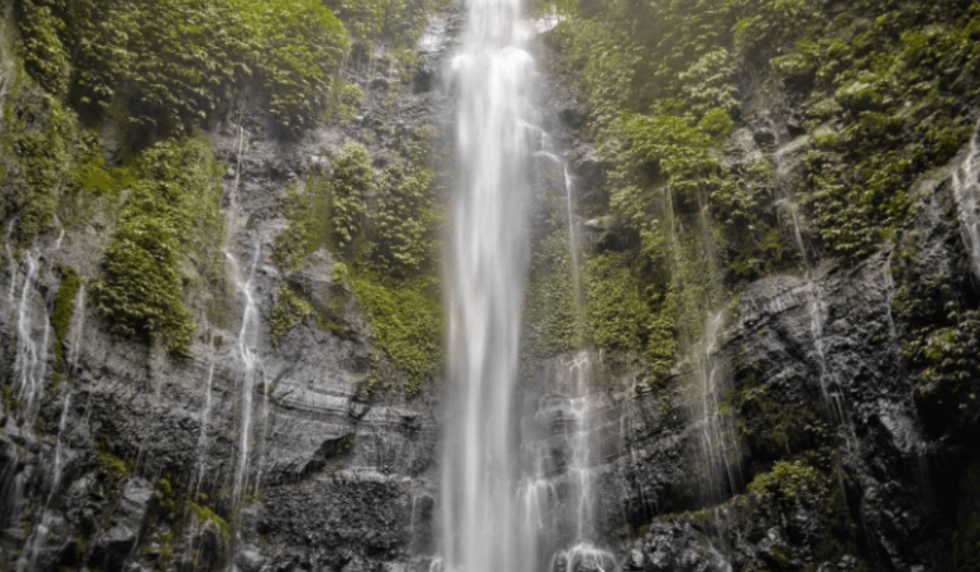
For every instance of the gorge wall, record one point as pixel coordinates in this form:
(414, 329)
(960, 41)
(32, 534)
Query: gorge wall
(753, 281)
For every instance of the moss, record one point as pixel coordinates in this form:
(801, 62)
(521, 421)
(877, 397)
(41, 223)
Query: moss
(40, 135)
(290, 310)
(554, 316)
(308, 211)
(115, 467)
(172, 212)
(618, 315)
(64, 306)
(406, 320)
(406, 216)
(10, 403)
(208, 518)
(772, 426)
(351, 183)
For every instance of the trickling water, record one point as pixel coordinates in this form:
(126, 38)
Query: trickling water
(31, 359)
(58, 451)
(77, 340)
(481, 523)
(966, 189)
(251, 367)
(202, 440)
(718, 442)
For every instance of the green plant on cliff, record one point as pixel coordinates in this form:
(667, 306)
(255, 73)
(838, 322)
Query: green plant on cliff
(406, 323)
(290, 310)
(173, 202)
(308, 209)
(42, 51)
(64, 306)
(175, 64)
(351, 183)
(554, 322)
(35, 167)
(382, 230)
(406, 216)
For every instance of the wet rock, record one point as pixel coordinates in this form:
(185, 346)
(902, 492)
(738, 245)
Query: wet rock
(250, 560)
(127, 522)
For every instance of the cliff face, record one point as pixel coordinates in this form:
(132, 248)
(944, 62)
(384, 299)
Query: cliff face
(811, 421)
(283, 438)
(782, 399)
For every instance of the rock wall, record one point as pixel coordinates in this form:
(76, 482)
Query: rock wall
(837, 455)
(133, 461)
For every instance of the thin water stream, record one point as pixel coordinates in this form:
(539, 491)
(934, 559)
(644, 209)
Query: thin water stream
(251, 368)
(966, 190)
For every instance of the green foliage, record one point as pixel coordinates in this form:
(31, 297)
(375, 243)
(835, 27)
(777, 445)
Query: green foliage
(42, 51)
(406, 214)
(806, 483)
(386, 252)
(93, 175)
(618, 316)
(289, 310)
(115, 467)
(406, 323)
(771, 425)
(38, 138)
(308, 211)
(174, 64)
(64, 306)
(554, 315)
(395, 22)
(629, 55)
(207, 518)
(171, 212)
(352, 181)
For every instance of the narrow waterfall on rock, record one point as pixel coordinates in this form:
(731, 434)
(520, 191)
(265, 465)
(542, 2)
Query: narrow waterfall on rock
(30, 364)
(966, 190)
(481, 527)
(251, 370)
(717, 438)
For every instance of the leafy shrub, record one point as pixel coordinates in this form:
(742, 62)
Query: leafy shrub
(618, 315)
(289, 310)
(352, 180)
(44, 56)
(64, 306)
(176, 64)
(308, 211)
(35, 167)
(406, 323)
(142, 292)
(406, 216)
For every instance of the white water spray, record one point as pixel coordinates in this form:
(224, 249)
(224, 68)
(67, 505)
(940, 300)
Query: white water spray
(481, 523)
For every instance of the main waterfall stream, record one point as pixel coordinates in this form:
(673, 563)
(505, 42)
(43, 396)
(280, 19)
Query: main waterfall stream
(493, 74)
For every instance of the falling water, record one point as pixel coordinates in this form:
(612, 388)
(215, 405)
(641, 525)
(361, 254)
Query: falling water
(77, 341)
(481, 523)
(247, 342)
(31, 359)
(716, 431)
(58, 450)
(202, 440)
(966, 189)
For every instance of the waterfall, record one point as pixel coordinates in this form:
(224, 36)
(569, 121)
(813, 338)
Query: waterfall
(966, 190)
(717, 436)
(31, 359)
(481, 521)
(251, 368)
